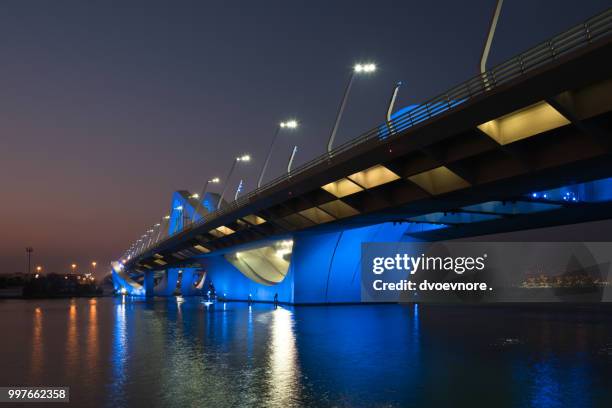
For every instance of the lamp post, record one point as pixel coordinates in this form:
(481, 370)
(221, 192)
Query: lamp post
(295, 148)
(73, 267)
(165, 220)
(391, 106)
(487, 45)
(238, 190)
(29, 251)
(150, 232)
(359, 69)
(290, 124)
(93, 267)
(214, 180)
(243, 158)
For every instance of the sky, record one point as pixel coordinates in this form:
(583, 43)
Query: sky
(108, 108)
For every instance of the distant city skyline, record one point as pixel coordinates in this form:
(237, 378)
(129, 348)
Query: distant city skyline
(108, 109)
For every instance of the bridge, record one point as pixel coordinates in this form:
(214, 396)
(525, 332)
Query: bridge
(524, 145)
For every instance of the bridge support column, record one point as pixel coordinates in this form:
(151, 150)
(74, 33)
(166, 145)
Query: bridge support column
(149, 283)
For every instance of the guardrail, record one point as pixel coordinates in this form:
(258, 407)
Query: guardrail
(571, 40)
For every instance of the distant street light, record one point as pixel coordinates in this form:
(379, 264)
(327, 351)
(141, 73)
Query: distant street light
(160, 228)
(29, 251)
(245, 158)
(93, 265)
(73, 267)
(214, 180)
(150, 233)
(290, 124)
(359, 69)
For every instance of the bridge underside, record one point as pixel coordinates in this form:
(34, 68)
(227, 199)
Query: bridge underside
(323, 265)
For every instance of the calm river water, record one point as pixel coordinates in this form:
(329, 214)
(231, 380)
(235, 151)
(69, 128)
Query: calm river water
(116, 352)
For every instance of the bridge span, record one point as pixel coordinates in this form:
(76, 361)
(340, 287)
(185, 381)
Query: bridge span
(525, 145)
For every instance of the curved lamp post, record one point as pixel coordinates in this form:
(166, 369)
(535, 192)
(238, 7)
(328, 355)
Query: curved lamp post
(358, 69)
(214, 180)
(245, 158)
(290, 124)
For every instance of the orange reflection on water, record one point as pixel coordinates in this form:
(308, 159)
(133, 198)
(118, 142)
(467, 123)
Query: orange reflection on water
(92, 337)
(72, 339)
(37, 345)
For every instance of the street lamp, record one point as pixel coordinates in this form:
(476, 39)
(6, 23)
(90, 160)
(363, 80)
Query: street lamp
(93, 265)
(158, 225)
(245, 158)
(290, 124)
(359, 69)
(150, 232)
(214, 180)
(181, 218)
(73, 267)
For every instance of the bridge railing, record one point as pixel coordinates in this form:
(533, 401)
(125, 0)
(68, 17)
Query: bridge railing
(577, 37)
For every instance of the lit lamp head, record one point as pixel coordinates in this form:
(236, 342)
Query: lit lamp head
(166, 217)
(290, 124)
(194, 195)
(244, 158)
(366, 68)
(94, 263)
(215, 180)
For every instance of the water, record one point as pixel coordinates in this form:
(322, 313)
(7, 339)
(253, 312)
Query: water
(114, 352)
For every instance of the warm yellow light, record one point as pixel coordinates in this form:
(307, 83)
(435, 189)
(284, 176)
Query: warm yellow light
(339, 209)
(73, 266)
(38, 268)
(225, 230)
(253, 219)
(374, 176)
(439, 180)
(316, 215)
(524, 123)
(342, 187)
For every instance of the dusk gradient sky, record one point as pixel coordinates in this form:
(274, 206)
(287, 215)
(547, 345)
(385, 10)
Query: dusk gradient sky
(108, 108)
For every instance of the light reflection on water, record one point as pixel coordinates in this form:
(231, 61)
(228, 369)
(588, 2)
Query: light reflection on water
(37, 345)
(164, 353)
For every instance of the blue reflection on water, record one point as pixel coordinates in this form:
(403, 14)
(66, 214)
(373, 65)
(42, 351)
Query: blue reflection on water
(119, 352)
(168, 353)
